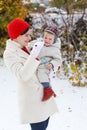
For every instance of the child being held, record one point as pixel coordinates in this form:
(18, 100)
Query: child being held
(50, 56)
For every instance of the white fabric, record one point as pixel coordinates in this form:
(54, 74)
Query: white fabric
(36, 49)
(52, 54)
(30, 91)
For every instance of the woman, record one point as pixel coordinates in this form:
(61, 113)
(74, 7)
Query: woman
(24, 65)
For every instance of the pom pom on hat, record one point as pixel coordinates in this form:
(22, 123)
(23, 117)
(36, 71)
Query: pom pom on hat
(16, 27)
(53, 29)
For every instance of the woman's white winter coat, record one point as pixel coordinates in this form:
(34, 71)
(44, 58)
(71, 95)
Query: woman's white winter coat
(30, 91)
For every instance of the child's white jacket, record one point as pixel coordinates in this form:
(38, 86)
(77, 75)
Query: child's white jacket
(30, 91)
(53, 52)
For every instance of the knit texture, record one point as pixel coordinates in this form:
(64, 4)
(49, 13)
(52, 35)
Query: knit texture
(53, 29)
(17, 27)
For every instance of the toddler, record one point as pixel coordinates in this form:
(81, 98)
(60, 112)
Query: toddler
(50, 57)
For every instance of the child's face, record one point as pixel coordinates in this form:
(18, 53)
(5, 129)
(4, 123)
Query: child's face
(48, 38)
(24, 39)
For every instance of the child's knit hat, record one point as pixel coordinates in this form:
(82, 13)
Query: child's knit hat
(52, 29)
(16, 27)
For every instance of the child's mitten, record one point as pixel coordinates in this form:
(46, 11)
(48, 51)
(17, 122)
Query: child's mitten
(36, 49)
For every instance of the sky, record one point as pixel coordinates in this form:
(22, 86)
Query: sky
(71, 102)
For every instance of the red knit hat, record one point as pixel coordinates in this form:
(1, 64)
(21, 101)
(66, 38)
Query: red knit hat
(16, 27)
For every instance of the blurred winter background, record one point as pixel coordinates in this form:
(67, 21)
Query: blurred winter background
(70, 81)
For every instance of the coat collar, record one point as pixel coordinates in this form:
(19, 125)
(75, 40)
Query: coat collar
(15, 48)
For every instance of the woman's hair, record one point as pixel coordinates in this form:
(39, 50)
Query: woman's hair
(24, 31)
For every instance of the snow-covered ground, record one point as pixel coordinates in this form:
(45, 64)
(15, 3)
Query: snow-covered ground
(71, 101)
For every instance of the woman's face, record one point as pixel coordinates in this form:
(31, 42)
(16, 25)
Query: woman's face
(48, 38)
(24, 39)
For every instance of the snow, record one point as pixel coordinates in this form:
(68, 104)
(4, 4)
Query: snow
(71, 101)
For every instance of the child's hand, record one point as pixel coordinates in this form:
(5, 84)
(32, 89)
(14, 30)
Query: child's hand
(50, 66)
(36, 49)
